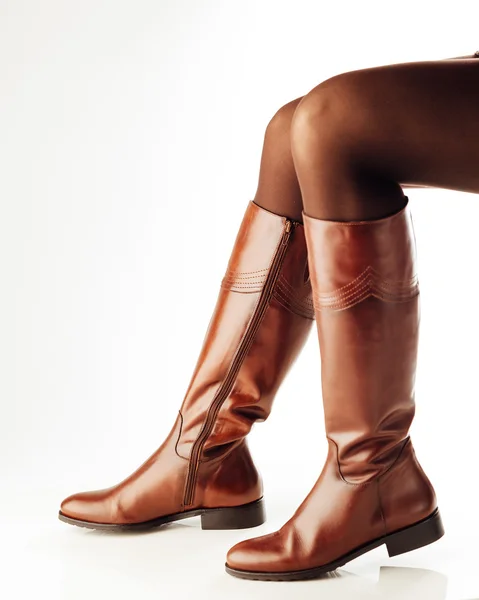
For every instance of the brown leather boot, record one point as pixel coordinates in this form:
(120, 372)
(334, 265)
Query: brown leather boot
(372, 490)
(262, 318)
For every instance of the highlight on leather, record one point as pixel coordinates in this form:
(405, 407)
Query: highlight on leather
(368, 283)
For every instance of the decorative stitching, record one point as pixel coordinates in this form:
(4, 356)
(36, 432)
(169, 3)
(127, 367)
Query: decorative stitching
(295, 304)
(241, 276)
(286, 303)
(305, 303)
(244, 280)
(247, 273)
(245, 283)
(307, 297)
(295, 301)
(368, 283)
(359, 292)
(229, 281)
(243, 289)
(283, 303)
(370, 270)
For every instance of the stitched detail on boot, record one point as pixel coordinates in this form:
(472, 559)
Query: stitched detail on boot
(297, 301)
(244, 281)
(303, 295)
(286, 305)
(368, 283)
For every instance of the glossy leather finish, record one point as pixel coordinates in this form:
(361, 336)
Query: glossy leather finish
(224, 474)
(366, 298)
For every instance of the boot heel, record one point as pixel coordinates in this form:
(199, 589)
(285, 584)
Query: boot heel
(416, 536)
(236, 517)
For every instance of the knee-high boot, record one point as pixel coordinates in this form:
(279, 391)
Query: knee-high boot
(262, 318)
(372, 490)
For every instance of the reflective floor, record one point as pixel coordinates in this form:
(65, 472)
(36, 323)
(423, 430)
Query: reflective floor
(48, 559)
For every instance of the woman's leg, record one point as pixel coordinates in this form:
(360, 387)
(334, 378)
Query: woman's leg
(278, 187)
(355, 140)
(360, 135)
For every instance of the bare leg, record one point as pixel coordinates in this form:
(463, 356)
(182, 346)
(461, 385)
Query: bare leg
(359, 136)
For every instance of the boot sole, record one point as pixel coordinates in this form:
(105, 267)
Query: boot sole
(409, 538)
(236, 517)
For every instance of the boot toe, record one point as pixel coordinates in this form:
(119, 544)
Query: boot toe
(86, 506)
(264, 554)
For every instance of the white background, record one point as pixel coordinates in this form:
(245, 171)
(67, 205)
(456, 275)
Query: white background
(130, 138)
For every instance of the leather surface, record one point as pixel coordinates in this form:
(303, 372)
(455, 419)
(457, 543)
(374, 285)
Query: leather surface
(227, 475)
(366, 298)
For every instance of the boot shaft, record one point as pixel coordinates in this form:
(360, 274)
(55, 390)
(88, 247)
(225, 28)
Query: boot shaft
(262, 318)
(366, 297)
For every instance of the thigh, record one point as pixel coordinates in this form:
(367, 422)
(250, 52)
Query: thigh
(419, 121)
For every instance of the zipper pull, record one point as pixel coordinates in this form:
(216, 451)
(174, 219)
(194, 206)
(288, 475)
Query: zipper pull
(287, 229)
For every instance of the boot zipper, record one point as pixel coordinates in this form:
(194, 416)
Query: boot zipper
(226, 386)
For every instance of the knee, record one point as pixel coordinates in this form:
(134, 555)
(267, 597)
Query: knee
(332, 115)
(280, 124)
